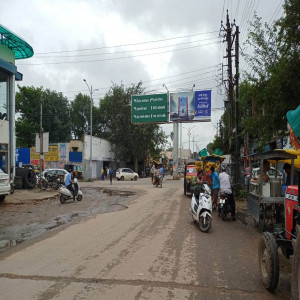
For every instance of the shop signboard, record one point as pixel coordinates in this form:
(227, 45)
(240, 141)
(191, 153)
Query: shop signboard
(51, 155)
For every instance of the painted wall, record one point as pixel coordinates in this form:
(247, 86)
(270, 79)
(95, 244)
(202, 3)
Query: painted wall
(101, 149)
(7, 54)
(4, 130)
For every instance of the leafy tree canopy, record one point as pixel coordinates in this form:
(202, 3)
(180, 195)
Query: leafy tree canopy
(55, 115)
(130, 142)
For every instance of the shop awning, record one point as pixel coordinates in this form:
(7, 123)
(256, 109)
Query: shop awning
(15, 43)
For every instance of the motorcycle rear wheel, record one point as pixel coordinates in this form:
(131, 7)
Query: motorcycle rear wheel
(223, 214)
(44, 184)
(204, 227)
(55, 186)
(62, 199)
(79, 197)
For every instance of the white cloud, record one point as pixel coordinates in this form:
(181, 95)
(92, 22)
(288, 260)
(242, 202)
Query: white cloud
(56, 25)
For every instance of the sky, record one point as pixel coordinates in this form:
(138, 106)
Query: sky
(159, 42)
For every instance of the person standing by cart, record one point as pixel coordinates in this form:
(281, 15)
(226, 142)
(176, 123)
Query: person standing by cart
(152, 172)
(215, 186)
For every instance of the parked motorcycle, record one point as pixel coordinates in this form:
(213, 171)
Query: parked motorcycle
(65, 194)
(224, 206)
(201, 207)
(51, 181)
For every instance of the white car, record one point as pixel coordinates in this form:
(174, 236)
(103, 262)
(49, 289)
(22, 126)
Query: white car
(126, 174)
(271, 173)
(4, 185)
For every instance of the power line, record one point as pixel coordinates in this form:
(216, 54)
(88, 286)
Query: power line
(125, 45)
(116, 58)
(125, 51)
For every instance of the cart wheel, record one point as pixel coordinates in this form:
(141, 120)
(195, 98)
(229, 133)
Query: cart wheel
(295, 286)
(268, 261)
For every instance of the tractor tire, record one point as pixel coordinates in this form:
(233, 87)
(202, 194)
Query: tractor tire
(295, 286)
(20, 178)
(18, 182)
(268, 261)
(30, 179)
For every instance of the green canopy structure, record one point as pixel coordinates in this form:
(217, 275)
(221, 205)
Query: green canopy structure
(293, 117)
(16, 44)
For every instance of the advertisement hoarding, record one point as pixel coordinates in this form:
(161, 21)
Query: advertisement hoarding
(190, 106)
(202, 105)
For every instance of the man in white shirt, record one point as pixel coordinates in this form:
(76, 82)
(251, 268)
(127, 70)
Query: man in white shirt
(225, 187)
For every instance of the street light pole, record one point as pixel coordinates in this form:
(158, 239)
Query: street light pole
(91, 128)
(189, 134)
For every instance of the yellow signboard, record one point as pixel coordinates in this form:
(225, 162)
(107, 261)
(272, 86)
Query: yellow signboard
(52, 154)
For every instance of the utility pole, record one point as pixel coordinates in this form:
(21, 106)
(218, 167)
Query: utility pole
(237, 113)
(41, 139)
(229, 62)
(233, 39)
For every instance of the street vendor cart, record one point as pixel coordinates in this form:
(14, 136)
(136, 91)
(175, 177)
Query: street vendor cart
(265, 200)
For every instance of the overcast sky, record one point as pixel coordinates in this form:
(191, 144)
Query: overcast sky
(171, 42)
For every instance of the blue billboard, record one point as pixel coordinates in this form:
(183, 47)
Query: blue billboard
(22, 156)
(202, 105)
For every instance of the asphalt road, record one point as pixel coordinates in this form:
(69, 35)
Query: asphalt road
(152, 250)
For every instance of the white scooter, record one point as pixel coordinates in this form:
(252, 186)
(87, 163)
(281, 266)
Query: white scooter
(201, 207)
(65, 194)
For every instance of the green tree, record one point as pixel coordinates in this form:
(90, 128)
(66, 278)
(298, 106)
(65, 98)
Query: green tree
(80, 116)
(55, 115)
(130, 142)
(272, 87)
(274, 84)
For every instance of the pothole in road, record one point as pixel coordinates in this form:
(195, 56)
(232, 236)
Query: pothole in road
(110, 192)
(33, 217)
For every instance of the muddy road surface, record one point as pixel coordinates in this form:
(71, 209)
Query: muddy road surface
(28, 214)
(150, 250)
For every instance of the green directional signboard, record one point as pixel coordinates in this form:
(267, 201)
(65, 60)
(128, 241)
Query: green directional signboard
(149, 108)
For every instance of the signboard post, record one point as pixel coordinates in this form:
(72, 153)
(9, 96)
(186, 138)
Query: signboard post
(149, 108)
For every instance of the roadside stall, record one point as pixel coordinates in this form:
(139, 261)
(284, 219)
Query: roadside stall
(265, 200)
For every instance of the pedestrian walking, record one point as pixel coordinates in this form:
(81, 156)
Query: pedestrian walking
(111, 173)
(102, 173)
(215, 186)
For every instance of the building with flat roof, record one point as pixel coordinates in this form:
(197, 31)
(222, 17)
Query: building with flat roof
(12, 47)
